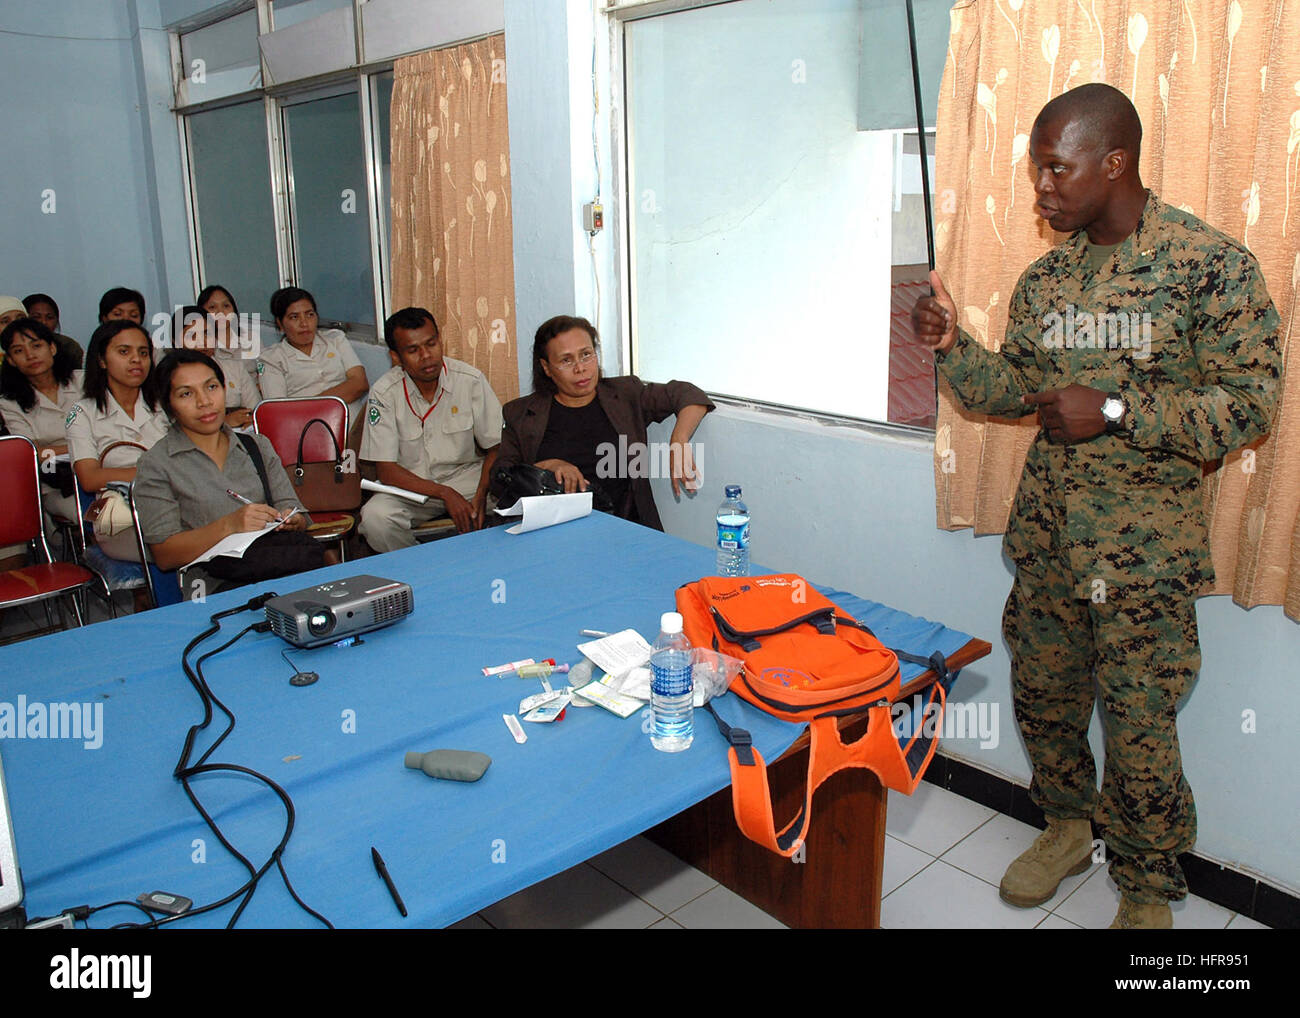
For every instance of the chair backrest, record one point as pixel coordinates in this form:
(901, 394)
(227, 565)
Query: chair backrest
(82, 503)
(20, 480)
(164, 587)
(283, 420)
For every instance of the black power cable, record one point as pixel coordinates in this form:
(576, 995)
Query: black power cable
(185, 770)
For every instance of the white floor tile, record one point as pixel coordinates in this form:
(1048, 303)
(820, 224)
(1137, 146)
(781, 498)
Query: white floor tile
(1241, 922)
(653, 874)
(944, 897)
(667, 924)
(902, 862)
(1193, 913)
(722, 909)
(987, 851)
(933, 819)
(1095, 903)
(578, 898)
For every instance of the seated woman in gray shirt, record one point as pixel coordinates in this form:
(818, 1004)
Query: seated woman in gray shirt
(184, 485)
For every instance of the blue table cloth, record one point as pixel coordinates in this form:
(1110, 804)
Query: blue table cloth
(95, 825)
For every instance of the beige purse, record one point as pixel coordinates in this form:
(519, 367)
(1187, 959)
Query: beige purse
(109, 513)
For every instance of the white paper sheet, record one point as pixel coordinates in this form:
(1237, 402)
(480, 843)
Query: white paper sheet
(540, 511)
(236, 544)
(635, 683)
(615, 703)
(618, 653)
(388, 489)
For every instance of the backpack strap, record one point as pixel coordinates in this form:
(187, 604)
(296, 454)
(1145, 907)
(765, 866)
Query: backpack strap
(897, 766)
(255, 454)
(936, 662)
(738, 739)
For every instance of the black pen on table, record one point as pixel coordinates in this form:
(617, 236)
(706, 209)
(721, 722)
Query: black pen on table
(382, 870)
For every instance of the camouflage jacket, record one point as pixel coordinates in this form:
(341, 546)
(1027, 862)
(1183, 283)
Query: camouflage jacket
(1179, 323)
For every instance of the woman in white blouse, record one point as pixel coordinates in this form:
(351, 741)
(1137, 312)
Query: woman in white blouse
(312, 361)
(119, 405)
(193, 329)
(38, 387)
(237, 338)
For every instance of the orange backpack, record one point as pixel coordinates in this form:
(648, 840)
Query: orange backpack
(806, 659)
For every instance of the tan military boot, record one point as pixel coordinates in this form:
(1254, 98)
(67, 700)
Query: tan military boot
(1133, 915)
(1062, 850)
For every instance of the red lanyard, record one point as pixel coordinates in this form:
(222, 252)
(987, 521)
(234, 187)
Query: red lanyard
(441, 390)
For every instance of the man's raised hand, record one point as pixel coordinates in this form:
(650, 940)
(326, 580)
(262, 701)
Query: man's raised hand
(934, 319)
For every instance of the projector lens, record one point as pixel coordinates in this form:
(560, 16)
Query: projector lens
(320, 622)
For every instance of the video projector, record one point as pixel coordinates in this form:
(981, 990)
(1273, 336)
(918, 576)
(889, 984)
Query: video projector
(335, 611)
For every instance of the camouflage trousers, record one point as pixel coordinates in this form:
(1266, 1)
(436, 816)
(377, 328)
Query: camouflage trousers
(1141, 654)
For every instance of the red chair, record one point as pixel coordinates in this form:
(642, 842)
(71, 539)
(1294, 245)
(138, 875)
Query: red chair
(283, 421)
(20, 523)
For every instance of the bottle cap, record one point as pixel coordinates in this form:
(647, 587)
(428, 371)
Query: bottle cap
(733, 491)
(670, 622)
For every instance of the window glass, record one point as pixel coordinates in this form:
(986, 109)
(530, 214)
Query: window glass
(773, 240)
(290, 12)
(328, 192)
(232, 197)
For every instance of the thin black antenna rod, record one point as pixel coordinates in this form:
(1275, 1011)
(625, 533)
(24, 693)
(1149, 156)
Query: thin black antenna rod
(920, 134)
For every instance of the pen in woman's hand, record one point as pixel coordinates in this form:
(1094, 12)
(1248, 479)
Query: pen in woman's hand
(279, 517)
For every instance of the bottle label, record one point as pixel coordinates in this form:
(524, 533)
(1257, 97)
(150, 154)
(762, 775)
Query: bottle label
(732, 537)
(671, 681)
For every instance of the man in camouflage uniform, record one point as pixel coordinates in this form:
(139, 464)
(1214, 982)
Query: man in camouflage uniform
(1147, 344)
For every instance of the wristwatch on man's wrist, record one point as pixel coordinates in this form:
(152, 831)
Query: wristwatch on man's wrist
(1114, 411)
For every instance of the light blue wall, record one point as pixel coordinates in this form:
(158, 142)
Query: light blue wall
(72, 76)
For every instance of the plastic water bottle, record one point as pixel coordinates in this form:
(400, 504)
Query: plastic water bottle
(733, 534)
(671, 688)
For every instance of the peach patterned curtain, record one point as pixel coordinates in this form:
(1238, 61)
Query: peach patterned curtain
(452, 245)
(1217, 85)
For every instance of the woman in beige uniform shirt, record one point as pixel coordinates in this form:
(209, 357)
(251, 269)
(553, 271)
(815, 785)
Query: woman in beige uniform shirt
(38, 387)
(312, 361)
(193, 329)
(119, 405)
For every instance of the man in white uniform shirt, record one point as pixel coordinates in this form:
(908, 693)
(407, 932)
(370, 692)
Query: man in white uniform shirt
(433, 426)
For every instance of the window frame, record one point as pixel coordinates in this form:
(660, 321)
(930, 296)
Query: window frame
(276, 99)
(620, 16)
